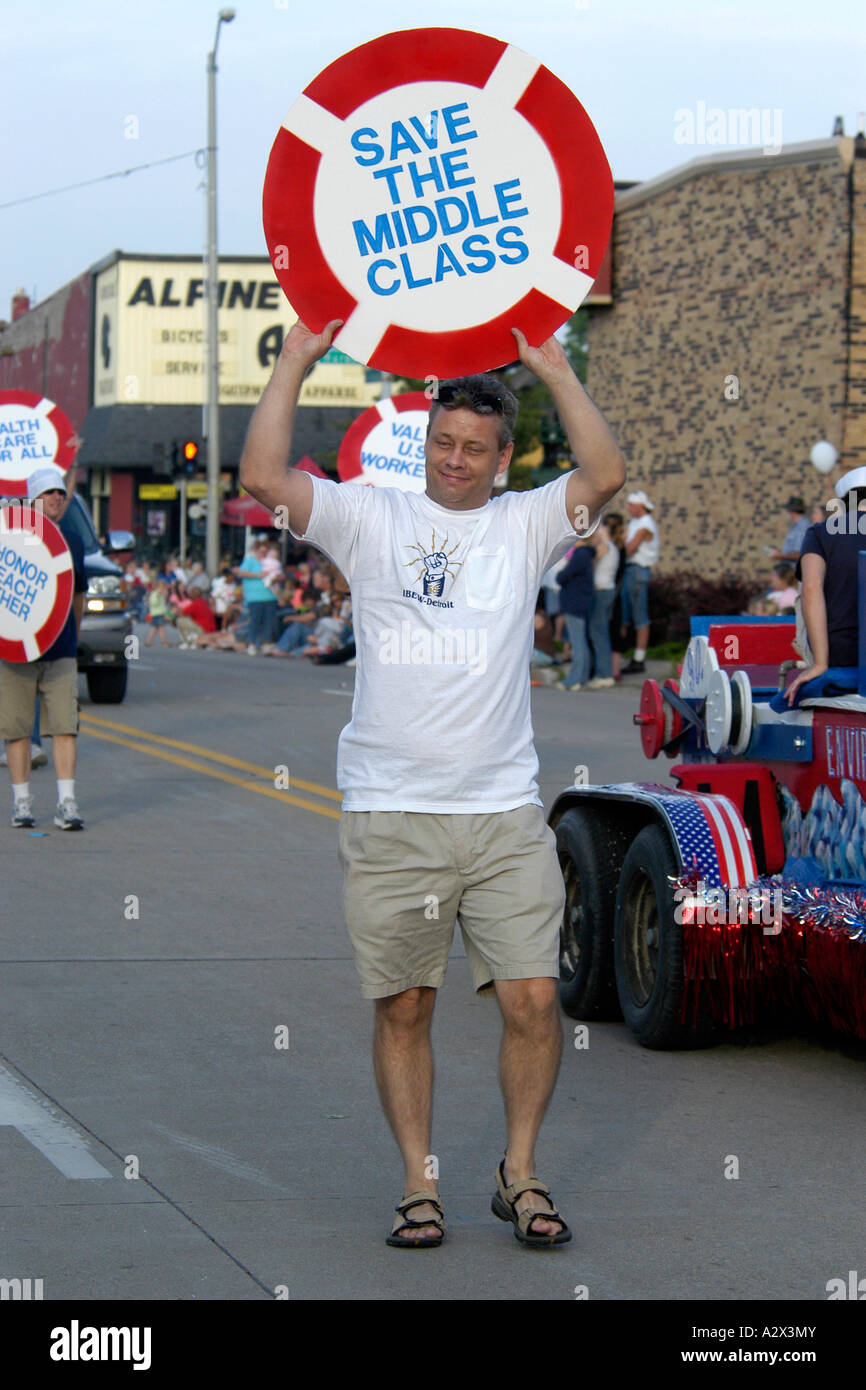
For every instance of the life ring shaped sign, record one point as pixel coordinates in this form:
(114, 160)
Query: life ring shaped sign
(434, 188)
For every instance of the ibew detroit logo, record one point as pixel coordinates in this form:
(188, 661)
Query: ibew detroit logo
(434, 565)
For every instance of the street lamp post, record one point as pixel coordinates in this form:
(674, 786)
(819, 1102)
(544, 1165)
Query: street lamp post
(213, 424)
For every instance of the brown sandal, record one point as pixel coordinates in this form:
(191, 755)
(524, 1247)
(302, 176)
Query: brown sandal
(417, 1199)
(504, 1203)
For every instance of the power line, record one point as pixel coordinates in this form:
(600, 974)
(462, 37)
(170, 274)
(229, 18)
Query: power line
(120, 174)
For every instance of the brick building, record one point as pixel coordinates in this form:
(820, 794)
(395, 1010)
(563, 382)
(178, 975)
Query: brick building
(121, 350)
(736, 339)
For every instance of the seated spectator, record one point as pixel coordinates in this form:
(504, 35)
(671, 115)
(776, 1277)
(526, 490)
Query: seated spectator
(762, 608)
(298, 628)
(543, 651)
(195, 617)
(783, 589)
(198, 578)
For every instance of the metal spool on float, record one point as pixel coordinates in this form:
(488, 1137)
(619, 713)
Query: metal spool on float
(729, 712)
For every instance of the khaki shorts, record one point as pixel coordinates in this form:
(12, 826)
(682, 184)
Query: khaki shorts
(55, 681)
(408, 876)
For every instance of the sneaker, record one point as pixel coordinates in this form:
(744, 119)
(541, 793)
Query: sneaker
(66, 816)
(600, 682)
(561, 685)
(252, 650)
(634, 668)
(38, 756)
(22, 812)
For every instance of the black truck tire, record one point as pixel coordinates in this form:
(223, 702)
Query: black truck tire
(590, 849)
(106, 685)
(648, 946)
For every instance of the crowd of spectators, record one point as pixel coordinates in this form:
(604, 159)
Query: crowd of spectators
(261, 606)
(585, 619)
(579, 620)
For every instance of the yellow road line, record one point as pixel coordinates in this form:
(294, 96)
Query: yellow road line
(267, 772)
(194, 766)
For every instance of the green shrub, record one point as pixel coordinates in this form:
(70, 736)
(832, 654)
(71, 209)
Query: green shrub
(677, 596)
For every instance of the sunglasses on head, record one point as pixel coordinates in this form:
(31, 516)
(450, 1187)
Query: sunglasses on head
(483, 398)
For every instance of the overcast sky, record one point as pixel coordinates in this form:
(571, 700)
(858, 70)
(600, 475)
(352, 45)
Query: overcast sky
(76, 71)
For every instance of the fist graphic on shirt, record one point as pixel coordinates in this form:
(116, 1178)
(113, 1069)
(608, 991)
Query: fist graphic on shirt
(435, 565)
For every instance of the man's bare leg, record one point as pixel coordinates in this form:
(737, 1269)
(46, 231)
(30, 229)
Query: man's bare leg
(403, 1062)
(528, 1064)
(18, 759)
(64, 750)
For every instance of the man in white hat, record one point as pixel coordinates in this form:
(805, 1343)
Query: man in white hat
(641, 552)
(54, 678)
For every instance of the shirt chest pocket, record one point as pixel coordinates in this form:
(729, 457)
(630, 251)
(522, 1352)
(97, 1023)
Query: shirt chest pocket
(487, 575)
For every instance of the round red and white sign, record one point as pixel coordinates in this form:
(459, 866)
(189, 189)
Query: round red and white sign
(434, 188)
(34, 432)
(36, 582)
(385, 445)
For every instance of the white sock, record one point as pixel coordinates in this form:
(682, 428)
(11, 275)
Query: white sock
(19, 791)
(66, 789)
(639, 653)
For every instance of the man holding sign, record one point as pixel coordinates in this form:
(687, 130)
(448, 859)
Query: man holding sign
(53, 677)
(442, 819)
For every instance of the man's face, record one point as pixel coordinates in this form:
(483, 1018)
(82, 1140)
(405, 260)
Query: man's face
(634, 508)
(463, 457)
(52, 503)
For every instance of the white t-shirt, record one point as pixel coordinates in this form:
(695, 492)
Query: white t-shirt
(606, 566)
(443, 603)
(647, 552)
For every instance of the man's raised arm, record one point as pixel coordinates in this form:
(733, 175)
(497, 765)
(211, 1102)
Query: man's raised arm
(600, 468)
(265, 470)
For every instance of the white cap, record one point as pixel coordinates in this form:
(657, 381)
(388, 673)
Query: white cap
(856, 477)
(640, 499)
(43, 480)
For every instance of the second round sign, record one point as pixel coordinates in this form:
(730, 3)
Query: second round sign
(434, 188)
(36, 582)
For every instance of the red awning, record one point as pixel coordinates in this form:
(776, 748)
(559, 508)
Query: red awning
(309, 465)
(246, 511)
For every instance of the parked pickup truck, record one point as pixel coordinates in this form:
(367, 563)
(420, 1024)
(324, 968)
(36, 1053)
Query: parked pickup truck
(106, 624)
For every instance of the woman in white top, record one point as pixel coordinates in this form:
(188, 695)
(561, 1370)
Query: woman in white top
(605, 568)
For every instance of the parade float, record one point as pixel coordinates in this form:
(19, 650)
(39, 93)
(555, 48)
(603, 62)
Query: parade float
(739, 895)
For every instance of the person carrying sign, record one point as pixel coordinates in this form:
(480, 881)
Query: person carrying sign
(442, 819)
(53, 677)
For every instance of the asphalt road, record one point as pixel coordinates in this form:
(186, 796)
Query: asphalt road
(156, 1143)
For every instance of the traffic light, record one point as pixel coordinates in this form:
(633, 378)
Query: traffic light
(190, 454)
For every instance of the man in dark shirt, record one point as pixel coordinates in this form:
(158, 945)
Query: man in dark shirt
(828, 569)
(54, 678)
